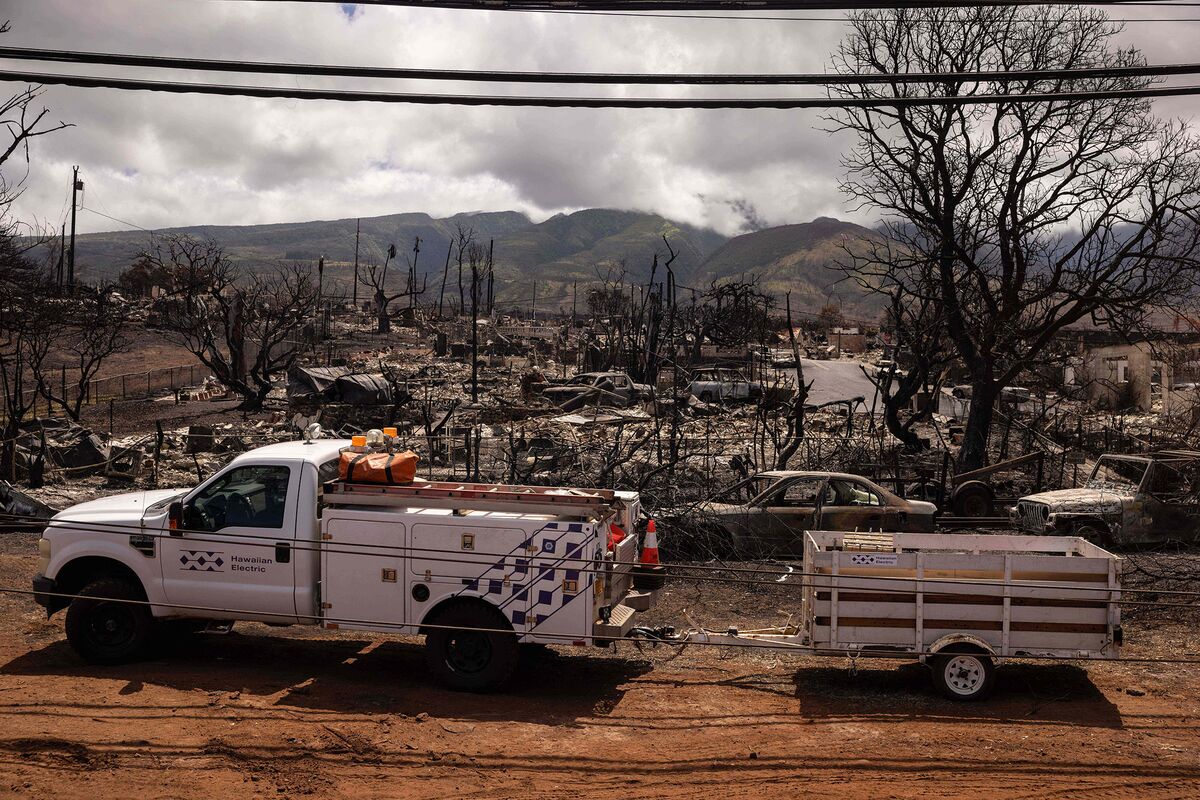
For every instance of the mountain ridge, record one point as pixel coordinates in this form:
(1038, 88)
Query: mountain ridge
(537, 263)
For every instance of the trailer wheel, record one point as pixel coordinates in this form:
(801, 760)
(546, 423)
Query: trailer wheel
(478, 657)
(104, 632)
(963, 675)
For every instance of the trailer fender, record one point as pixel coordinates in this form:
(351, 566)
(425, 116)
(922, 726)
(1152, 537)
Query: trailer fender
(960, 639)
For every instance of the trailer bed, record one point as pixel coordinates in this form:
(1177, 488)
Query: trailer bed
(910, 592)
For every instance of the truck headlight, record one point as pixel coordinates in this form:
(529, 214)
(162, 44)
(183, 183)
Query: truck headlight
(43, 555)
(1049, 520)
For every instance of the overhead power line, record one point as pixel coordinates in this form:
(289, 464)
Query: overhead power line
(116, 219)
(792, 18)
(559, 6)
(421, 98)
(507, 76)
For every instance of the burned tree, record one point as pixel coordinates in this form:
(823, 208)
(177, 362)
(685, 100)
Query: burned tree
(28, 307)
(376, 277)
(733, 313)
(92, 327)
(1018, 218)
(922, 353)
(242, 325)
(797, 406)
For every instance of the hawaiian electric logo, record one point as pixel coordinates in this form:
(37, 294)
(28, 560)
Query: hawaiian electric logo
(202, 561)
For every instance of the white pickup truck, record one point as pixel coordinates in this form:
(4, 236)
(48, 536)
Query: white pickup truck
(274, 537)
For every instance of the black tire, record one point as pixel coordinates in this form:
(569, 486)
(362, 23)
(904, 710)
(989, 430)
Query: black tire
(1093, 532)
(963, 675)
(706, 397)
(106, 632)
(471, 659)
(974, 499)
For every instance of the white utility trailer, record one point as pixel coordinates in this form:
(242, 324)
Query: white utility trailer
(959, 602)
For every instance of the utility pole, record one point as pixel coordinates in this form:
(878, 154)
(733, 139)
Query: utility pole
(533, 305)
(321, 294)
(474, 330)
(412, 273)
(76, 185)
(491, 297)
(357, 229)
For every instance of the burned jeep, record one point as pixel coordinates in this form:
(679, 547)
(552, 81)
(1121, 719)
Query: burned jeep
(1126, 500)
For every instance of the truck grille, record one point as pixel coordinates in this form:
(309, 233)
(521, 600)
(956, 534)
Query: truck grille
(1031, 516)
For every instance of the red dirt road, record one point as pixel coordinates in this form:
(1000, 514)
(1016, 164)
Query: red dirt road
(271, 713)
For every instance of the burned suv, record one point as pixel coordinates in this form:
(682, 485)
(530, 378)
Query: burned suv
(1126, 500)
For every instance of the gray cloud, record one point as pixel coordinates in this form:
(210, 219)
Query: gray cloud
(159, 160)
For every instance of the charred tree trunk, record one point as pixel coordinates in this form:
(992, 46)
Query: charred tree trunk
(973, 454)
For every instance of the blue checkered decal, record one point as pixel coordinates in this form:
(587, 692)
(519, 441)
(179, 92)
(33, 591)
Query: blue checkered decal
(529, 590)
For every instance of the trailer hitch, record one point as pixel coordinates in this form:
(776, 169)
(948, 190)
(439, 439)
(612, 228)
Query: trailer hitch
(663, 634)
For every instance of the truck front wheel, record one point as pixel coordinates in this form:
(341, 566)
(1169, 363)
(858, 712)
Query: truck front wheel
(472, 648)
(102, 628)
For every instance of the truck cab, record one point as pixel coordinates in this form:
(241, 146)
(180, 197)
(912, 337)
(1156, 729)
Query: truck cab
(274, 537)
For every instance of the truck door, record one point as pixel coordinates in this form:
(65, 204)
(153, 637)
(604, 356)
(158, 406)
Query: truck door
(235, 549)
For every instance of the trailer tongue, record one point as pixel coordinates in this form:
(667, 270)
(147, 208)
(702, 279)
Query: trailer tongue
(960, 602)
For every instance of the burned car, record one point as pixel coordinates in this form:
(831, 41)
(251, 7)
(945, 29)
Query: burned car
(603, 388)
(722, 385)
(768, 513)
(1126, 500)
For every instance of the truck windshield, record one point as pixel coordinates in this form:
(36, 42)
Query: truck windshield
(253, 496)
(1117, 474)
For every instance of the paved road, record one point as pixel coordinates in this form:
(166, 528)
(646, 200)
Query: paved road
(837, 380)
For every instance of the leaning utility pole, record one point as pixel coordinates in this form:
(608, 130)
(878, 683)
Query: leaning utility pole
(76, 185)
(357, 229)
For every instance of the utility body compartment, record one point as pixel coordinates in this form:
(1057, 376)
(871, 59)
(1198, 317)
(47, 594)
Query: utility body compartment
(392, 555)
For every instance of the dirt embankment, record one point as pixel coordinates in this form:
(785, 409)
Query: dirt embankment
(286, 712)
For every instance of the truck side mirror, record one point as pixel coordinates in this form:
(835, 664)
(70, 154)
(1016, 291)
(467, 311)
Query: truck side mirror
(175, 518)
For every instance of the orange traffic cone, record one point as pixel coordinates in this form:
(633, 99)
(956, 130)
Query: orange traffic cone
(650, 546)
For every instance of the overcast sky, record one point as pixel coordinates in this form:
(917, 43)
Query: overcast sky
(161, 160)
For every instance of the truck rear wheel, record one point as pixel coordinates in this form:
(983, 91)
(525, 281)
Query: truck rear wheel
(963, 675)
(105, 632)
(472, 649)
